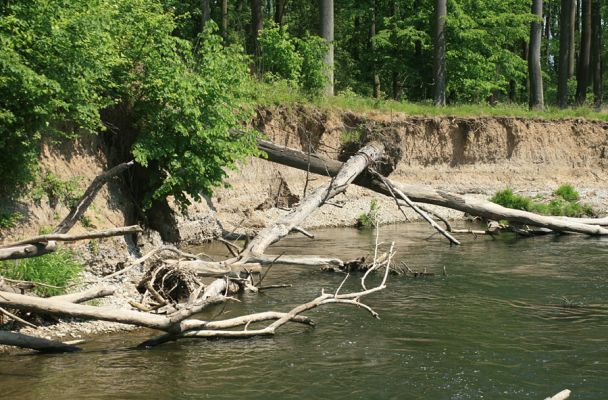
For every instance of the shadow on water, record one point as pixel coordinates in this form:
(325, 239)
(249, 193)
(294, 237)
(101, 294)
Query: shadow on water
(512, 319)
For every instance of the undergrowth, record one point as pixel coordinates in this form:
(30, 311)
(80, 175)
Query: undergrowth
(281, 94)
(370, 218)
(56, 269)
(564, 203)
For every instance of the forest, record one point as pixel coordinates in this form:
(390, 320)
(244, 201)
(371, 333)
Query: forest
(154, 152)
(178, 70)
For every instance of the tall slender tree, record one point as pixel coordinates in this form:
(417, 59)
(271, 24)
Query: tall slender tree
(564, 53)
(279, 12)
(573, 25)
(584, 61)
(372, 34)
(537, 101)
(225, 20)
(441, 12)
(596, 53)
(205, 14)
(257, 24)
(327, 32)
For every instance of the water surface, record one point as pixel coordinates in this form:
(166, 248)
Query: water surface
(513, 319)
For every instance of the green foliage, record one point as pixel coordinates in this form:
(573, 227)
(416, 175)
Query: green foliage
(9, 219)
(57, 269)
(353, 136)
(567, 192)
(299, 61)
(66, 67)
(279, 58)
(564, 204)
(66, 192)
(370, 218)
(483, 61)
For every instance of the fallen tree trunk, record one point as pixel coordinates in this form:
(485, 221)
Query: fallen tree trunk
(63, 237)
(342, 178)
(422, 194)
(27, 250)
(35, 343)
(94, 292)
(89, 195)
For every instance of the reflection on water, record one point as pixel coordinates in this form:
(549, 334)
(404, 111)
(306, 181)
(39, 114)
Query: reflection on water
(512, 319)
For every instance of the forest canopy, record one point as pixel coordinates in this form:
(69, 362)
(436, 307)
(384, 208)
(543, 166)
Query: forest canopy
(168, 79)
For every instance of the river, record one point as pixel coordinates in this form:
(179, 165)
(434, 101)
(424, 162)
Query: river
(512, 319)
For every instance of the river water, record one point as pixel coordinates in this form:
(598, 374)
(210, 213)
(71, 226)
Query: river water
(512, 319)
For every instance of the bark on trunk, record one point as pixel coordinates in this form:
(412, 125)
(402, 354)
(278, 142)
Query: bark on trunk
(327, 33)
(279, 12)
(439, 60)
(582, 76)
(564, 52)
(537, 101)
(596, 54)
(372, 35)
(257, 24)
(225, 21)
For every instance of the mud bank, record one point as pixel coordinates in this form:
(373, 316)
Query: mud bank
(465, 155)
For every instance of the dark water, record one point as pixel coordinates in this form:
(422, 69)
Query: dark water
(513, 319)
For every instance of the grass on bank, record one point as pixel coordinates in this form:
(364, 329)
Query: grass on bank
(280, 93)
(56, 269)
(564, 203)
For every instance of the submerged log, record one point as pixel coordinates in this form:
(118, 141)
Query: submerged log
(423, 194)
(35, 343)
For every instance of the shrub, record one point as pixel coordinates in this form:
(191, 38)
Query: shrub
(278, 55)
(56, 269)
(298, 61)
(567, 192)
(370, 218)
(565, 203)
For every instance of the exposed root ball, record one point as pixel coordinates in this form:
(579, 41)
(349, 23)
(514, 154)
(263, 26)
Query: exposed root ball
(169, 284)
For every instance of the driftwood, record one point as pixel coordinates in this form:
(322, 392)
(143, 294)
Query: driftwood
(35, 343)
(217, 329)
(563, 395)
(89, 195)
(27, 250)
(94, 292)
(422, 194)
(64, 237)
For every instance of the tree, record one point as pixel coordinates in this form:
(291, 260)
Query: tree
(205, 14)
(372, 34)
(596, 53)
(225, 20)
(439, 59)
(327, 33)
(564, 50)
(584, 61)
(257, 24)
(279, 12)
(537, 101)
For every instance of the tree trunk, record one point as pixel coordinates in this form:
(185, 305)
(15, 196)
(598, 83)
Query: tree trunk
(423, 194)
(27, 250)
(582, 76)
(537, 101)
(564, 50)
(225, 21)
(279, 12)
(372, 35)
(257, 24)
(596, 54)
(441, 12)
(327, 33)
(572, 38)
(206, 13)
